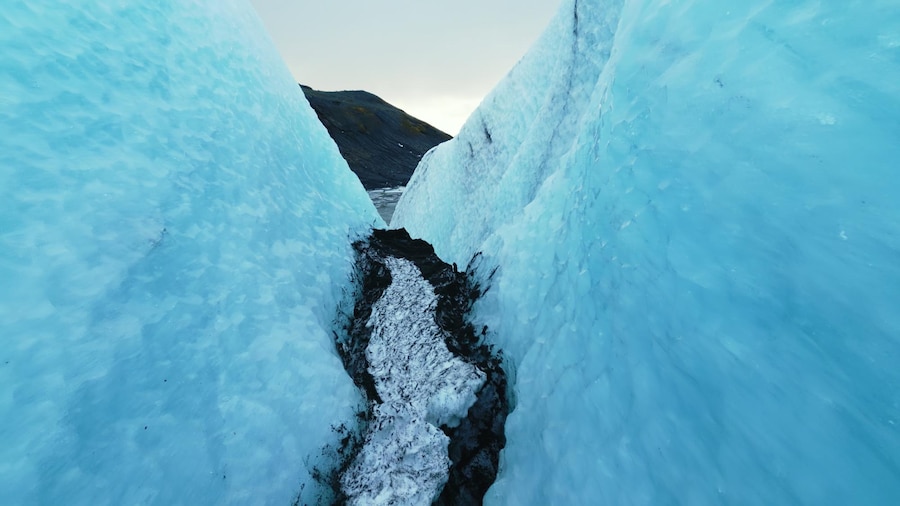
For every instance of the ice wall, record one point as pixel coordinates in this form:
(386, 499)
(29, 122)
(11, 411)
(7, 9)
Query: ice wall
(693, 207)
(174, 241)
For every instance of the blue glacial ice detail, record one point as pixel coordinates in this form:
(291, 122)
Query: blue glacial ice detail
(693, 210)
(175, 230)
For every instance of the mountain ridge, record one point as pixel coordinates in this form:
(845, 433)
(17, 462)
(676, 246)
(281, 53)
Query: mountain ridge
(381, 143)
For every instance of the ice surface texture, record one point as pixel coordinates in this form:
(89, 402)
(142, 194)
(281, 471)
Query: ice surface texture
(422, 386)
(175, 233)
(693, 207)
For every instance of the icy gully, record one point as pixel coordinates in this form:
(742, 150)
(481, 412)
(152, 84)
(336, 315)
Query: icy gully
(436, 393)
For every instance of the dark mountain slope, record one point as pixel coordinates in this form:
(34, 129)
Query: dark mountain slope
(381, 143)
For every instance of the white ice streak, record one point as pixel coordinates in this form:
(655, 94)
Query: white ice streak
(422, 385)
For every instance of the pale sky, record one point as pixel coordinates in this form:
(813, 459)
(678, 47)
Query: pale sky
(434, 59)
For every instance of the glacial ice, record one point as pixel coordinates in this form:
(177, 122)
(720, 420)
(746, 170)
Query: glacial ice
(692, 207)
(175, 229)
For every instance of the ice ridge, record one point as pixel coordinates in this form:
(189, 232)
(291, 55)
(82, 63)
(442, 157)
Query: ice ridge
(695, 224)
(176, 233)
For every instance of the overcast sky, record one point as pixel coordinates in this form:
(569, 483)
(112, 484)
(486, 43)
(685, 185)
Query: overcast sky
(434, 59)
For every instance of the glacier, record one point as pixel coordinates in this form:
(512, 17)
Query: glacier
(175, 241)
(682, 215)
(692, 210)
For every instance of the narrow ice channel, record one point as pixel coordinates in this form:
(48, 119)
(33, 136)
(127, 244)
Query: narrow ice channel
(422, 385)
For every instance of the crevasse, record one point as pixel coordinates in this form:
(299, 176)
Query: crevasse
(684, 214)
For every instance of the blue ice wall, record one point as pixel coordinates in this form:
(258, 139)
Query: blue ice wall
(693, 207)
(174, 241)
